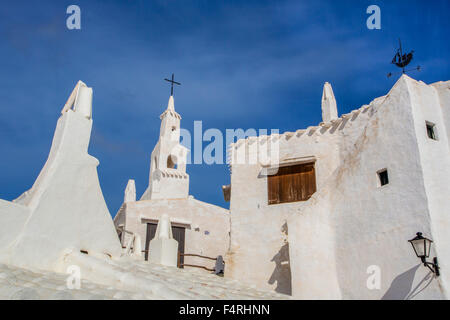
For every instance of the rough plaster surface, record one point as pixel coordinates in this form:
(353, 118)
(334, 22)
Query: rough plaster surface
(159, 282)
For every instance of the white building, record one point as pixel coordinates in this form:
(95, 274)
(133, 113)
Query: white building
(320, 213)
(346, 197)
(200, 228)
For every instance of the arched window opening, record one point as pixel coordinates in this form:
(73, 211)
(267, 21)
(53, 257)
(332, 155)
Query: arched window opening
(171, 162)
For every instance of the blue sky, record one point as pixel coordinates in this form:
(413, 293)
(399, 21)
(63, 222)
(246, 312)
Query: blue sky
(242, 64)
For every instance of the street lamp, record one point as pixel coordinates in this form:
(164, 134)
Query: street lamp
(422, 247)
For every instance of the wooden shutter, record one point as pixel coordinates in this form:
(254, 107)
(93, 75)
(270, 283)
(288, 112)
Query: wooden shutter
(274, 190)
(292, 183)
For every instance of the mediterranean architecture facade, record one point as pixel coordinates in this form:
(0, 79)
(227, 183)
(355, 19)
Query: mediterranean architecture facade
(324, 212)
(344, 197)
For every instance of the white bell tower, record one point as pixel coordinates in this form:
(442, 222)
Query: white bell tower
(168, 178)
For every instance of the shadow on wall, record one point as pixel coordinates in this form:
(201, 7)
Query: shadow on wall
(400, 288)
(282, 273)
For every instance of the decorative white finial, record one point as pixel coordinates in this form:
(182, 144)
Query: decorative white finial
(80, 100)
(329, 107)
(163, 249)
(171, 104)
(130, 192)
(164, 229)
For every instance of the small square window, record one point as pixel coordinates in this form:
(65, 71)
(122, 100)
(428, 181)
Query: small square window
(431, 130)
(383, 177)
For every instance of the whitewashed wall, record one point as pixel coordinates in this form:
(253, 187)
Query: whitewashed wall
(258, 244)
(351, 223)
(370, 225)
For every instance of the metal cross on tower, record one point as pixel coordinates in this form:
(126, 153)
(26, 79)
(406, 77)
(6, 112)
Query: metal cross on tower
(172, 83)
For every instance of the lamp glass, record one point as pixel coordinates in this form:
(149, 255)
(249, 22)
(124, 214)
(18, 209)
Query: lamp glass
(421, 246)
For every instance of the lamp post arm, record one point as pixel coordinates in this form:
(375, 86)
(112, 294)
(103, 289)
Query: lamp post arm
(433, 266)
(430, 266)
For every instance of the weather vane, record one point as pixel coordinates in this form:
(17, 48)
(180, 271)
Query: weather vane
(401, 60)
(172, 82)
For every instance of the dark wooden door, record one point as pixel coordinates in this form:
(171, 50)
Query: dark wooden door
(151, 231)
(178, 234)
